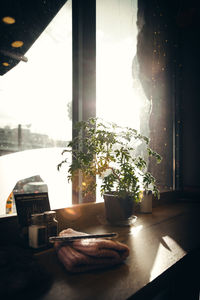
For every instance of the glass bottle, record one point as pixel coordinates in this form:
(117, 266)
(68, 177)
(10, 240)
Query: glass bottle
(51, 223)
(37, 231)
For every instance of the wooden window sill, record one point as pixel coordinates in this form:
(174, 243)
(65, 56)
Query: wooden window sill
(157, 242)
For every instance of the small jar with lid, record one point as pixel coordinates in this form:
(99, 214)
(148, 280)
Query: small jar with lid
(51, 223)
(37, 231)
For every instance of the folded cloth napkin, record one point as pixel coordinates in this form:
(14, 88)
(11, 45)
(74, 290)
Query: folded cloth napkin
(89, 254)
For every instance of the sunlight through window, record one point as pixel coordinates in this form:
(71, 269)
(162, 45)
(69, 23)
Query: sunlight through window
(36, 102)
(135, 230)
(169, 251)
(120, 97)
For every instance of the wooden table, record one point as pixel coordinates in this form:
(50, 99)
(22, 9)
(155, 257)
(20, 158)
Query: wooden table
(157, 242)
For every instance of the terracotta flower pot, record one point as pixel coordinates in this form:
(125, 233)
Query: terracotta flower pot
(118, 209)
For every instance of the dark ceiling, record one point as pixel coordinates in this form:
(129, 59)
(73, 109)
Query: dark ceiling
(27, 20)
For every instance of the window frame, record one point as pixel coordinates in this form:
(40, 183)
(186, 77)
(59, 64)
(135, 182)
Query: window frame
(83, 68)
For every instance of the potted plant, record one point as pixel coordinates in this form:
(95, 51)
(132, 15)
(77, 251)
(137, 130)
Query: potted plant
(110, 152)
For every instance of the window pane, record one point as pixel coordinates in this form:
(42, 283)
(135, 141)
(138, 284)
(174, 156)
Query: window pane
(35, 107)
(120, 97)
(120, 94)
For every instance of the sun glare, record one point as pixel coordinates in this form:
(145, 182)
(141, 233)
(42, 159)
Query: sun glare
(135, 230)
(44, 81)
(119, 96)
(169, 251)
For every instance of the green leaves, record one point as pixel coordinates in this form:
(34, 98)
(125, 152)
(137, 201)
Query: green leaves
(154, 154)
(102, 146)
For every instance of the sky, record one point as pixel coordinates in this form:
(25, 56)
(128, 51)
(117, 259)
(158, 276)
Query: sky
(37, 92)
(30, 92)
(120, 97)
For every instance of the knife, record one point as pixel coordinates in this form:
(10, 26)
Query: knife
(53, 239)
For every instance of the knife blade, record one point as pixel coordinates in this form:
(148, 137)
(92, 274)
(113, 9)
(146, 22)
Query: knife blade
(64, 239)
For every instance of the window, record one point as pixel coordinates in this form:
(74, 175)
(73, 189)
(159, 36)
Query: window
(120, 97)
(38, 112)
(118, 87)
(36, 115)
(124, 41)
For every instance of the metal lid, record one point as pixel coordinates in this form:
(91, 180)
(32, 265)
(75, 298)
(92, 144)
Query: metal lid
(37, 218)
(49, 214)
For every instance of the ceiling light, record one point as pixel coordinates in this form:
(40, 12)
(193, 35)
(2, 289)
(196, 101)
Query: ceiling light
(5, 64)
(8, 20)
(17, 44)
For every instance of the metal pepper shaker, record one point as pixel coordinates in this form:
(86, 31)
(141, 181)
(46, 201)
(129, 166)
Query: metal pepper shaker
(37, 231)
(51, 223)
